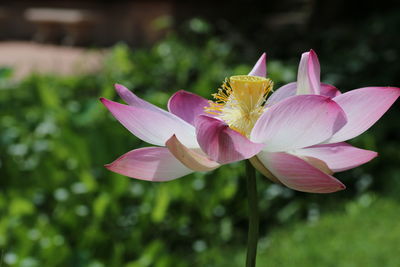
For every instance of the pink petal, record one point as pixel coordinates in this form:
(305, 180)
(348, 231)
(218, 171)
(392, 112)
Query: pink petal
(290, 90)
(152, 126)
(149, 163)
(282, 93)
(221, 143)
(133, 100)
(298, 174)
(308, 76)
(259, 166)
(187, 106)
(329, 90)
(190, 158)
(339, 156)
(363, 108)
(260, 69)
(298, 121)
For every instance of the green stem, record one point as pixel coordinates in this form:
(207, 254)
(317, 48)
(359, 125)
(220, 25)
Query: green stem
(252, 238)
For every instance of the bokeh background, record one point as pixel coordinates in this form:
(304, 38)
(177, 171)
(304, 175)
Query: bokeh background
(60, 207)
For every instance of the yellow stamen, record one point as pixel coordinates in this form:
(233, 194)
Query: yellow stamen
(240, 101)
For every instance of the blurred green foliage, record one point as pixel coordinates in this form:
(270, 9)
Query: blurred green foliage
(60, 207)
(366, 233)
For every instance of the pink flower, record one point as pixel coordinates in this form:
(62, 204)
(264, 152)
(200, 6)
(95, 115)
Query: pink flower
(285, 137)
(309, 168)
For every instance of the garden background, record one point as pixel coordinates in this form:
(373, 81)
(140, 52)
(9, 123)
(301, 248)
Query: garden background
(60, 207)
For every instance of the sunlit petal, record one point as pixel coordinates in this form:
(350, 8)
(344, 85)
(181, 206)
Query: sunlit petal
(298, 174)
(221, 143)
(187, 105)
(297, 122)
(363, 108)
(338, 156)
(150, 163)
(152, 126)
(260, 68)
(193, 160)
(308, 76)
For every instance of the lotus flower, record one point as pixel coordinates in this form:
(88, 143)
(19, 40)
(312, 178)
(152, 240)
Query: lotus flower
(363, 107)
(292, 137)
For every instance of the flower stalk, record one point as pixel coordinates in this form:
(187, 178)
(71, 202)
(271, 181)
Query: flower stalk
(252, 196)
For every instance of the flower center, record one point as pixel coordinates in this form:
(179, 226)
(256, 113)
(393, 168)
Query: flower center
(240, 101)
